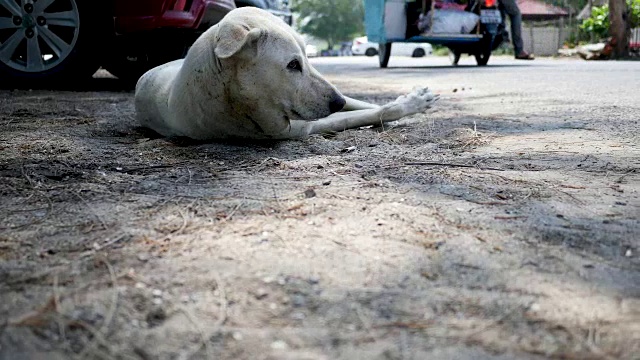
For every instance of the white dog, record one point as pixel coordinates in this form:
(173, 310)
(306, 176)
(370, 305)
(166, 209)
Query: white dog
(248, 77)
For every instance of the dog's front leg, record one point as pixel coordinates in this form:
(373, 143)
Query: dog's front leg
(413, 103)
(353, 104)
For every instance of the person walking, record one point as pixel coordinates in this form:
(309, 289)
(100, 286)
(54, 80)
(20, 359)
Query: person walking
(510, 7)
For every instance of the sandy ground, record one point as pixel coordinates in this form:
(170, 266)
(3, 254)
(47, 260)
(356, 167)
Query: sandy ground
(503, 224)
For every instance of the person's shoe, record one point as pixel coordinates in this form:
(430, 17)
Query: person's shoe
(523, 55)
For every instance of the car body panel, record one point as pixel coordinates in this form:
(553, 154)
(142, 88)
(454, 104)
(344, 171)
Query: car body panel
(144, 15)
(361, 45)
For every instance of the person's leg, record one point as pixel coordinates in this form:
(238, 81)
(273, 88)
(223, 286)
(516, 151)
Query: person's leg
(515, 18)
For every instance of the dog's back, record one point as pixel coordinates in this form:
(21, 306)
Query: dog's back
(151, 97)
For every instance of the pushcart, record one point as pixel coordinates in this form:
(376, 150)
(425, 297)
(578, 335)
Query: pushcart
(389, 21)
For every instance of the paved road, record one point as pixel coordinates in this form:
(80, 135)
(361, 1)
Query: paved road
(617, 83)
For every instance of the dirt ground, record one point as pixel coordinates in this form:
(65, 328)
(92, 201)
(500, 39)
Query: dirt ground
(503, 224)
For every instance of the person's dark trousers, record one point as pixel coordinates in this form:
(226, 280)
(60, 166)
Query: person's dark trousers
(510, 7)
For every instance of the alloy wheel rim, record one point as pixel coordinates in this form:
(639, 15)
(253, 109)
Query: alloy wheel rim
(37, 35)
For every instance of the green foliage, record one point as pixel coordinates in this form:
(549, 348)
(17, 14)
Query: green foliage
(330, 20)
(598, 24)
(634, 13)
(439, 50)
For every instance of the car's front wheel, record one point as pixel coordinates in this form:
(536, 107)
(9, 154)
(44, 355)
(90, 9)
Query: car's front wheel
(371, 52)
(49, 39)
(419, 52)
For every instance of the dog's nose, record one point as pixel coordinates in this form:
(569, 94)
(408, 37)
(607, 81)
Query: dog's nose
(337, 103)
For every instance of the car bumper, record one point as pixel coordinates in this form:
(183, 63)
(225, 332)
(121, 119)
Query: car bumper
(202, 15)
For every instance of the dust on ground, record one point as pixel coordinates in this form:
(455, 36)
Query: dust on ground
(503, 224)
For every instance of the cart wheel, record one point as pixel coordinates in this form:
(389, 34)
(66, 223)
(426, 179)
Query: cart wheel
(482, 58)
(484, 51)
(384, 52)
(454, 57)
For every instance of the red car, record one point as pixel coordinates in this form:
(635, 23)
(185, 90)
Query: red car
(63, 40)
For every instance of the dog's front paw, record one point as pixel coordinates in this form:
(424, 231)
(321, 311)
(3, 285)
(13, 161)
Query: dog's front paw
(416, 102)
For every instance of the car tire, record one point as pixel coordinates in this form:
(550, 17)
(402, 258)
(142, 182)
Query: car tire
(483, 52)
(58, 44)
(419, 52)
(371, 52)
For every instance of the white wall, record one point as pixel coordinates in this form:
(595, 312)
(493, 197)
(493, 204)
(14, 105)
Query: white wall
(543, 41)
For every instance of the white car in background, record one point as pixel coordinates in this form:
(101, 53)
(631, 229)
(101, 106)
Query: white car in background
(311, 50)
(362, 46)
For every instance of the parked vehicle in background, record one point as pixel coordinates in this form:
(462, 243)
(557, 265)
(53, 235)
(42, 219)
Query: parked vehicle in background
(311, 50)
(279, 8)
(362, 46)
(58, 41)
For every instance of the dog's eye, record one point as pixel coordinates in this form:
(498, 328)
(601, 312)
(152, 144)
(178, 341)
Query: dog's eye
(294, 65)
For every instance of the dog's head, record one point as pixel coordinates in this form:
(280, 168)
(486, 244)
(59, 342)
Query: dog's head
(272, 78)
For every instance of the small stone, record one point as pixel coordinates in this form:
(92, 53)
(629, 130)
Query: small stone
(268, 279)
(313, 280)
(535, 307)
(157, 301)
(260, 293)
(348, 149)
(279, 345)
(118, 169)
(326, 183)
(140, 285)
(309, 193)
(237, 336)
(628, 253)
(273, 306)
(143, 257)
(455, 90)
(157, 293)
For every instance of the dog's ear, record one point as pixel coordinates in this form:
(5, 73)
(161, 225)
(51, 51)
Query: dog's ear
(234, 38)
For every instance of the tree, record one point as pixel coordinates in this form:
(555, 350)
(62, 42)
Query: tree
(330, 20)
(615, 20)
(619, 28)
